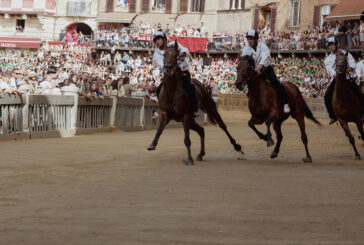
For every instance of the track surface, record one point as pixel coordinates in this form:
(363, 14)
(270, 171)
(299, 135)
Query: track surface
(108, 189)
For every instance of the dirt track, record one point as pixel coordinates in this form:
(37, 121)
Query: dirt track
(108, 189)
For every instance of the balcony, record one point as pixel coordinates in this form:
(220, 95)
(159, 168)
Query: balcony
(79, 8)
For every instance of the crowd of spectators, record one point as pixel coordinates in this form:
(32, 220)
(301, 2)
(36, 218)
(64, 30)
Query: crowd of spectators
(349, 35)
(54, 69)
(140, 36)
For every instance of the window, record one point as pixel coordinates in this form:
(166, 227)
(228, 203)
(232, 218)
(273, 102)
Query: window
(122, 5)
(159, 5)
(296, 9)
(197, 5)
(20, 25)
(237, 4)
(325, 11)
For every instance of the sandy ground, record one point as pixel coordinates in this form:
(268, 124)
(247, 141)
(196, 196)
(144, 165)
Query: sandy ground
(108, 189)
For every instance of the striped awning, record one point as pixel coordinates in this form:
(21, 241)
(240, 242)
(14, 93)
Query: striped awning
(347, 10)
(19, 42)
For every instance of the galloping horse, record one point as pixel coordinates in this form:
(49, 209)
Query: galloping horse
(174, 104)
(266, 106)
(346, 105)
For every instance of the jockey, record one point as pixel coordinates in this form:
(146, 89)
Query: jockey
(360, 69)
(160, 40)
(330, 64)
(261, 55)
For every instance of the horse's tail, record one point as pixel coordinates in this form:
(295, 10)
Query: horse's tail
(309, 115)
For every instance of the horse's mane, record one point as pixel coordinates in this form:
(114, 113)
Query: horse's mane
(247, 58)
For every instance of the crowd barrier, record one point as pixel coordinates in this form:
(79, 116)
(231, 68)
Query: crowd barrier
(239, 102)
(43, 116)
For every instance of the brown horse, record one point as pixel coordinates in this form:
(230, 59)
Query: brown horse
(266, 106)
(174, 104)
(346, 105)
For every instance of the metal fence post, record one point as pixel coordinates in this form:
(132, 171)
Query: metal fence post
(25, 114)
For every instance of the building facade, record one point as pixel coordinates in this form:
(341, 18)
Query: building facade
(46, 18)
(290, 15)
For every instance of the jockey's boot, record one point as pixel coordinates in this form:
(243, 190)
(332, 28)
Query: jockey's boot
(191, 93)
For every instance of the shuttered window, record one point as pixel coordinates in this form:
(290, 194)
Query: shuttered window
(296, 9)
(273, 19)
(109, 5)
(168, 6)
(316, 15)
(145, 5)
(132, 6)
(256, 19)
(183, 5)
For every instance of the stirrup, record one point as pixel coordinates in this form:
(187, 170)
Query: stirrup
(286, 108)
(196, 114)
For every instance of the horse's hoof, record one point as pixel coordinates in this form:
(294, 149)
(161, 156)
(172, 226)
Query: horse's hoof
(270, 143)
(357, 157)
(199, 157)
(151, 147)
(274, 154)
(237, 147)
(190, 162)
(307, 160)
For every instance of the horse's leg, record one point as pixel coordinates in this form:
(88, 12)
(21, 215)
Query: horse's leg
(251, 124)
(277, 127)
(301, 123)
(345, 126)
(201, 132)
(186, 126)
(268, 137)
(222, 125)
(359, 125)
(162, 124)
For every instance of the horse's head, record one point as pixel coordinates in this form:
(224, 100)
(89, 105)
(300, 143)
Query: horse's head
(341, 63)
(171, 56)
(245, 71)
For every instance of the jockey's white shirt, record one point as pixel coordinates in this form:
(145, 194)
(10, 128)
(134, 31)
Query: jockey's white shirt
(158, 56)
(331, 60)
(360, 69)
(261, 56)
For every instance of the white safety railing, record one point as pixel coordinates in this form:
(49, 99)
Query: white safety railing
(67, 115)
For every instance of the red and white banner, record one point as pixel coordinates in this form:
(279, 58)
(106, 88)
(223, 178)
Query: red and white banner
(19, 42)
(194, 44)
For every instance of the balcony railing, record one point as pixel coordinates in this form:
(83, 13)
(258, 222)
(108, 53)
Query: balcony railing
(78, 8)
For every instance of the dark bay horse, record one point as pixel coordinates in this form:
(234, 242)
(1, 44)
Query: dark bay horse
(174, 105)
(266, 106)
(346, 105)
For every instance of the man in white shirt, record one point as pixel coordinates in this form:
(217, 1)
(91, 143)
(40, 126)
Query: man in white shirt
(160, 40)
(262, 59)
(360, 69)
(330, 65)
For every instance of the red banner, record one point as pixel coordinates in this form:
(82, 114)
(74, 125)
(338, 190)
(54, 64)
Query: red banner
(194, 44)
(18, 42)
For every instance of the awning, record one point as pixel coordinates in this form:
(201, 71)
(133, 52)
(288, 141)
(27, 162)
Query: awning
(19, 42)
(115, 17)
(104, 20)
(347, 10)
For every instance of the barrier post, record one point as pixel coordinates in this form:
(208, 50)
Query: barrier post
(113, 111)
(25, 114)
